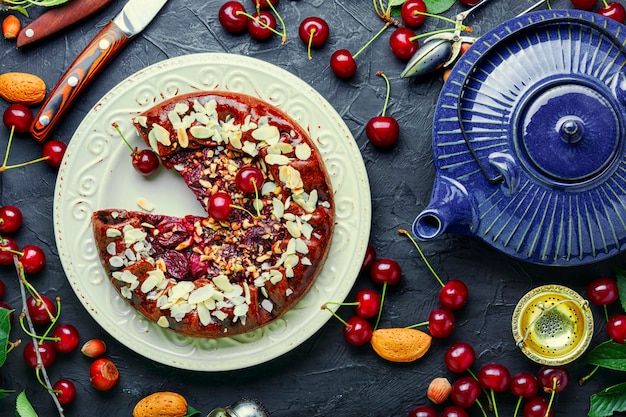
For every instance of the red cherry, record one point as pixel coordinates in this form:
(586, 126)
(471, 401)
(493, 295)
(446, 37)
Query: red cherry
(65, 391)
(259, 25)
(219, 206)
(68, 337)
(602, 291)
(524, 385)
(386, 271)
(369, 258)
(465, 391)
(264, 4)
(33, 259)
(2, 289)
(358, 331)
(8, 247)
(459, 357)
(145, 161)
(584, 4)
(553, 378)
(495, 377)
(10, 219)
(232, 17)
(53, 150)
(382, 131)
(411, 13)
(41, 309)
(616, 328)
(453, 411)
(368, 303)
(423, 411)
(469, 2)
(18, 115)
(440, 322)
(249, 179)
(46, 350)
(314, 30)
(342, 63)
(613, 10)
(453, 295)
(537, 407)
(103, 374)
(401, 44)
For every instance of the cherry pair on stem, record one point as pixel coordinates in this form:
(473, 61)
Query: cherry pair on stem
(261, 25)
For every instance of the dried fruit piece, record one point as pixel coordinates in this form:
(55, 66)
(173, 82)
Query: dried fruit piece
(22, 87)
(161, 404)
(439, 390)
(400, 344)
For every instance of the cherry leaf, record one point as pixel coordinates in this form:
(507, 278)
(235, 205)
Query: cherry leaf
(438, 6)
(608, 355)
(5, 328)
(620, 275)
(5, 393)
(191, 411)
(23, 407)
(608, 401)
(396, 3)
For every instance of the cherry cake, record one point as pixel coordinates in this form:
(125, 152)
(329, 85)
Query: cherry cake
(215, 276)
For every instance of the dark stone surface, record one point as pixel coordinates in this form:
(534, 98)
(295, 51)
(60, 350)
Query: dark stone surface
(324, 376)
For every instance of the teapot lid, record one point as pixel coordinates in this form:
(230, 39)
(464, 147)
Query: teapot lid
(531, 123)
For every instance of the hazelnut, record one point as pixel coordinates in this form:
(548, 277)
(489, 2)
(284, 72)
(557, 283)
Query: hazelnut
(439, 390)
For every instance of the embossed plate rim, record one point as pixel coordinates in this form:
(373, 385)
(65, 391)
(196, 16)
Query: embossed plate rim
(91, 171)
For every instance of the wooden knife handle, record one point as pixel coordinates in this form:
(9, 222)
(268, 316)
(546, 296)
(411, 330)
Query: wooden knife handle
(94, 57)
(59, 18)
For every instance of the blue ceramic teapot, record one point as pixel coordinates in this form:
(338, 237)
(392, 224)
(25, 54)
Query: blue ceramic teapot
(529, 140)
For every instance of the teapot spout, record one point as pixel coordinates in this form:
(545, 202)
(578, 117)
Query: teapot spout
(448, 211)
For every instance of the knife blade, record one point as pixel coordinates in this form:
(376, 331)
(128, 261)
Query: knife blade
(133, 18)
(54, 20)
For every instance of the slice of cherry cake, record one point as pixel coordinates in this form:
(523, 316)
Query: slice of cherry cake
(219, 276)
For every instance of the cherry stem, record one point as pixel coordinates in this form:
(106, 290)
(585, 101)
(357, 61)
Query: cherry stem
(552, 395)
(413, 326)
(382, 301)
(382, 74)
(589, 375)
(606, 313)
(605, 3)
(119, 131)
(345, 323)
(283, 34)
(517, 406)
(436, 32)
(4, 166)
(430, 268)
(371, 40)
(493, 401)
(337, 303)
(481, 407)
(6, 155)
(40, 368)
(310, 43)
(13, 345)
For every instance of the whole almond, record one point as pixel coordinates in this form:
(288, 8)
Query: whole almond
(22, 87)
(439, 390)
(400, 344)
(93, 348)
(161, 404)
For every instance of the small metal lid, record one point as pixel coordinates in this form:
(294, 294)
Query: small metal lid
(552, 325)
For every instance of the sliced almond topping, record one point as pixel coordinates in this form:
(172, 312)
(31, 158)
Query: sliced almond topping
(163, 322)
(266, 133)
(303, 151)
(274, 159)
(160, 134)
(111, 232)
(222, 283)
(145, 204)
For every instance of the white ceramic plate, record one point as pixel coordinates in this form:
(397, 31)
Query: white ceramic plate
(96, 173)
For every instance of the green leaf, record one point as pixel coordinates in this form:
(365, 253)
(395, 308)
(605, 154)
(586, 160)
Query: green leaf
(23, 407)
(609, 355)
(191, 411)
(438, 6)
(607, 401)
(5, 328)
(620, 274)
(396, 3)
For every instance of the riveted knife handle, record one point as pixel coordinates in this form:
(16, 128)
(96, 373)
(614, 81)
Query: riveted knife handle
(59, 18)
(107, 43)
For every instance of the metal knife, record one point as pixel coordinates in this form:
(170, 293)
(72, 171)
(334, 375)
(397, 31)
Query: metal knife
(58, 18)
(133, 18)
